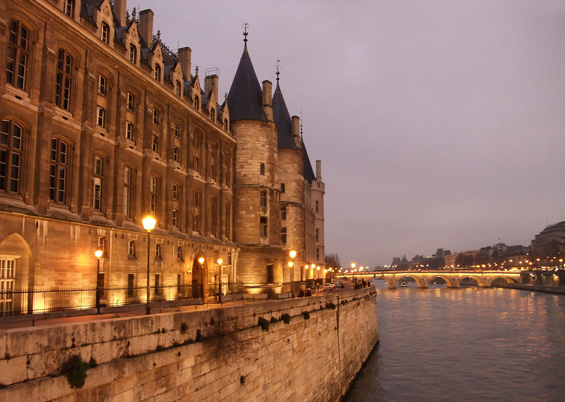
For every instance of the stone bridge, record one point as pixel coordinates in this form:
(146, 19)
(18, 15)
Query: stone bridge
(451, 277)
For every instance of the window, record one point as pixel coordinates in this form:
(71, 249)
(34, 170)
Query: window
(69, 7)
(263, 226)
(197, 103)
(318, 254)
(155, 143)
(179, 282)
(128, 190)
(282, 188)
(58, 170)
(98, 174)
(157, 73)
(158, 254)
(262, 169)
(153, 195)
(131, 282)
(317, 205)
(130, 102)
(213, 114)
(177, 88)
(131, 248)
(228, 220)
(101, 84)
(283, 235)
(175, 192)
(10, 156)
(157, 284)
(129, 131)
(105, 33)
(196, 152)
(100, 116)
(317, 234)
(7, 279)
(175, 218)
(214, 162)
(214, 212)
(196, 206)
(156, 117)
(283, 213)
(263, 199)
(176, 154)
(270, 273)
(17, 57)
(176, 129)
(226, 124)
(179, 254)
(64, 80)
(227, 169)
(133, 53)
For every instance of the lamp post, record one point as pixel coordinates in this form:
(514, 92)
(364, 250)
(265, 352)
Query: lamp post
(98, 253)
(292, 254)
(201, 262)
(220, 265)
(149, 225)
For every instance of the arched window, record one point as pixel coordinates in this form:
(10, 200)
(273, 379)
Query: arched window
(105, 33)
(59, 170)
(154, 195)
(11, 142)
(97, 181)
(18, 50)
(128, 190)
(64, 80)
(133, 53)
(157, 73)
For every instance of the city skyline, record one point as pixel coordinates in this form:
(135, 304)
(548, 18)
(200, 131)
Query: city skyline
(438, 123)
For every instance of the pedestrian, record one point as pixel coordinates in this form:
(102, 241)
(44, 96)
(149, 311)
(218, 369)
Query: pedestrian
(301, 292)
(308, 292)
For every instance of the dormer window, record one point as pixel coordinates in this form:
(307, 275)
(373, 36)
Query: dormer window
(69, 8)
(105, 33)
(213, 115)
(178, 88)
(157, 73)
(197, 103)
(133, 54)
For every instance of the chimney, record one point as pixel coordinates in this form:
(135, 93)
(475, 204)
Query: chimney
(296, 131)
(185, 58)
(120, 7)
(319, 170)
(211, 85)
(146, 26)
(268, 99)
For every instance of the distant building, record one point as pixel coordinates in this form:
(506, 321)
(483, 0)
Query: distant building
(549, 243)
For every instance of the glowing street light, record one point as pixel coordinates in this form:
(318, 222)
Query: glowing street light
(98, 253)
(292, 255)
(201, 262)
(220, 265)
(148, 224)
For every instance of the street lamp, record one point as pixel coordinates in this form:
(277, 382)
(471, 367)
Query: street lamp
(220, 264)
(149, 225)
(98, 253)
(292, 254)
(201, 262)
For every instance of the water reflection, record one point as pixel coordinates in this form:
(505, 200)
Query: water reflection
(469, 344)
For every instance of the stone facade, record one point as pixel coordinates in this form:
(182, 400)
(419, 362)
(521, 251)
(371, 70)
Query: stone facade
(101, 124)
(314, 357)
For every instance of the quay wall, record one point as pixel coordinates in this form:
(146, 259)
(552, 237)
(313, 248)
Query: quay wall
(205, 355)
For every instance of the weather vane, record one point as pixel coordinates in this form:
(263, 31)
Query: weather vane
(245, 33)
(278, 69)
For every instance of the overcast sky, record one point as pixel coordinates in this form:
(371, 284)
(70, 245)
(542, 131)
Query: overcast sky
(439, 123)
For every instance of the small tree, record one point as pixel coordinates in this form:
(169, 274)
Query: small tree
(332, 260)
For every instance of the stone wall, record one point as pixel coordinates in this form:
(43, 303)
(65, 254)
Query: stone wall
(314, 357)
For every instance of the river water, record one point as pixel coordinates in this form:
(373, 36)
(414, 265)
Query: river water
(468, 344)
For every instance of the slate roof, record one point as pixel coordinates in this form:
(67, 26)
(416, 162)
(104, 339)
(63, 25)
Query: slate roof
(308, 172)
(283, 121)
(246, 97)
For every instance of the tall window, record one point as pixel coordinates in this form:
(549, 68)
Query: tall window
(100, 116)
(156, 117)
(175, 192)
(283, 188)
(283, 235)
(129, 130)
(131, 248)
(105, 33)
(131, 282)
(178, 88)
(153, 195)
(98, 174)
(157, 73)
(214, 213)
(133, 53)
(283, 213)
(213, 114)
(158, 253)
(227, 168)
(69, 7)
(228, 220)
(130, 103)
(7, 278)
(101, 84)
(175, 218)
(158, 281)
(128, 190)
(317, 234)
(59, 169)
(263, 226)
(197, 103)
(214, 162)
(263, 199)
(155, 143)
(10, 156)
(196, 206)
(176, 129)
(317, 206)
(262, 169)
(64, 80)
(176, 154)
(16, 63)
(196, 152)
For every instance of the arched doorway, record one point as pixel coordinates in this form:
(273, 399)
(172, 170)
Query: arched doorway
(15, 276)
(198, 276)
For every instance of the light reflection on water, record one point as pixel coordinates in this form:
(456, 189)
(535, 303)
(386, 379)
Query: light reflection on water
(468, 344)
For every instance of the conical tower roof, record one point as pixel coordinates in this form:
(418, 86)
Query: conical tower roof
(245, 97)
(282, 120)
(308, 171)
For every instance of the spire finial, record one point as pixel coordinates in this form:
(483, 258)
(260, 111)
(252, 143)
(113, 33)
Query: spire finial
(225, 96)
(133, 13)
(245, 33)
(158, 35)
(278, 70)
(301, 136)
(196, 70)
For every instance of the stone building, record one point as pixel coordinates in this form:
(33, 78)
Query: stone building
(101, 124)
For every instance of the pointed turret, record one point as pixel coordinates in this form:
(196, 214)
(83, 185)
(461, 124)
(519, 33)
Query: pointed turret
(283, 120)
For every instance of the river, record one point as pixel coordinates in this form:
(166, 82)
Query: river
(468, 344)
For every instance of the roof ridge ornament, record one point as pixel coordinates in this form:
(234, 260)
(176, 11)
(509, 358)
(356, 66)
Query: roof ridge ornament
(245, 33)
(278, 70)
